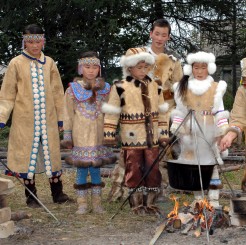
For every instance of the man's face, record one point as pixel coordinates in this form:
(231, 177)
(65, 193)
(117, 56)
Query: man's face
(159, 36)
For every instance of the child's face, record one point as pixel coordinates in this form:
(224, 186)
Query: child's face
(200, 70)
(140, 70)
(90, 72)
(34, 47)
(159, 36)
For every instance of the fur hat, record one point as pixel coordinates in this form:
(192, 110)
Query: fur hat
(243, 67)
(132, 57)
(200, 57)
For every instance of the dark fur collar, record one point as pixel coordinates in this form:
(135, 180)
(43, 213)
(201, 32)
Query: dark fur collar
(137, 82)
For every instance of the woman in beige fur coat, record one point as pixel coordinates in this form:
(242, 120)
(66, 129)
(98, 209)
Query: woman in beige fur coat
(237, 118)
(33, 90)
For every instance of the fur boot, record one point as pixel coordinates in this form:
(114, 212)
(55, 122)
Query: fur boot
(30, 200)
(56, 190)
(96, 198)
(117, 179)
(151, 200)
(82, 200)
(137, 203)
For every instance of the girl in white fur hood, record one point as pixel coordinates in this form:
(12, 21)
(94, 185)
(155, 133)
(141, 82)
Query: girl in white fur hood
(197, 91)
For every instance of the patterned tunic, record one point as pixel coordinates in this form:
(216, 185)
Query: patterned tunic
(83, 125)
(126, 105)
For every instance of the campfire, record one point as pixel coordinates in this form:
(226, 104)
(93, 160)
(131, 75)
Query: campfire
(193, 218)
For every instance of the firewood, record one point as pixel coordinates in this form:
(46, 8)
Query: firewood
(198, 230)
(187, 228)
(16, 216)
(177, 224)
(158, 232)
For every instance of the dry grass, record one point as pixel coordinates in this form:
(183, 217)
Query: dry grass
(74, 228)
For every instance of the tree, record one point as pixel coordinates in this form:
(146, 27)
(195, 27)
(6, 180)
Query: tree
(111, 27)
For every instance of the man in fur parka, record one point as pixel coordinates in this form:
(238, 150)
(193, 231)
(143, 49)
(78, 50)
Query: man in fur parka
(137, 104)
(237, 118)
(198, 91)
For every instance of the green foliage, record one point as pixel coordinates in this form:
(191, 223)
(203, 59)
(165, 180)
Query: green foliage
(111, 27)
(228, 100)
(4, 133)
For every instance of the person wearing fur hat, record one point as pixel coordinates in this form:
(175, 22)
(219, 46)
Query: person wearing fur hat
(167, 70)
(83, 130)
(237, 121)
(198, 91)
(137, 104)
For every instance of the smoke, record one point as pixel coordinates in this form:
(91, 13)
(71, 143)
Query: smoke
(196, 145)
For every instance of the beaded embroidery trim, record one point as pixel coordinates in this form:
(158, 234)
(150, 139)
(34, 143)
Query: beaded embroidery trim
(40, 128)
(91, 153)
(33, 37)
(89, 61)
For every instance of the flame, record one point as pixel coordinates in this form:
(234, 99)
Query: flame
(174, 212)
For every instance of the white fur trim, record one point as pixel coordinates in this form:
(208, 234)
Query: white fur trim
(199, 87)
(211, 68)
(132, 60)
(218, 97)
(187, 69)
(110, 109)
(175, 86)
(202, 57)
(164, 107)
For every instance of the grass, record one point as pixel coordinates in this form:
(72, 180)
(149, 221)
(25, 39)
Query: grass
(77, 228)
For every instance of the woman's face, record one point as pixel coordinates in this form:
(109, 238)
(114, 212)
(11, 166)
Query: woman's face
(90, 71)
(200, 70)
(34, 47)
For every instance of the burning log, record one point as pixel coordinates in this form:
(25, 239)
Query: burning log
(187, 228)
(197, 217)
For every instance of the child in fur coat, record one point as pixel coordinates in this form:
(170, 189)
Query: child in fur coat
(136, 102)
(83, 130)
(199, 92)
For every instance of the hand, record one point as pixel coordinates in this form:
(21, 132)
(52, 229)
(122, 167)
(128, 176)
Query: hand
(227, 140)
(61, 129)
(163, 142)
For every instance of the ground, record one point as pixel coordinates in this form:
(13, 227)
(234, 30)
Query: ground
(93, 229)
